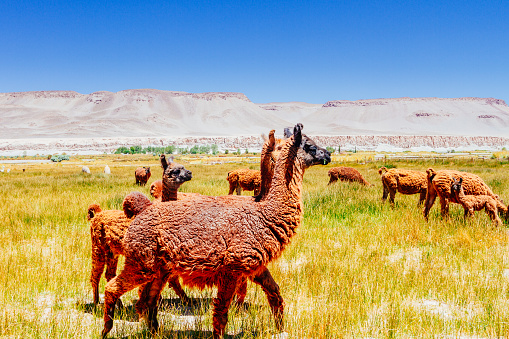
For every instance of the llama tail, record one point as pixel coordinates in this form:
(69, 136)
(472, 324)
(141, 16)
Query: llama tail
(93, 210)
(381, 170)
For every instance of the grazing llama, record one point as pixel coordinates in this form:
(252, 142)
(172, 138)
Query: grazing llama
(403, 181)
(216, 241)
(473, 203)
(348, 174)
(244, 179)
(440, 182)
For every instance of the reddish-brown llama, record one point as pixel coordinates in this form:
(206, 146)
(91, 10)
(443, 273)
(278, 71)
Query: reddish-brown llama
(108, 227)
(403, 181)
(142, 174)
(472, 203)
(346, 174)
(216, 241)
(440, 182)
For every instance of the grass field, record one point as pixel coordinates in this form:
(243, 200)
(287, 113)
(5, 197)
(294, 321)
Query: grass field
(356, 269)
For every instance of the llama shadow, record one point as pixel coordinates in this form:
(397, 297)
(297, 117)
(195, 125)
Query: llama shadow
(196, 307)
(183, 334)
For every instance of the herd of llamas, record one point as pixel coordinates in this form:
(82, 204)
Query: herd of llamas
(224, 241)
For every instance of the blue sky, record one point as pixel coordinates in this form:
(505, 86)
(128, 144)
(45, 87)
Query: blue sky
(311, 51)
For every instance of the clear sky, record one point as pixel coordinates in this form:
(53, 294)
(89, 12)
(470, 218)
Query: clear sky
(272, 51)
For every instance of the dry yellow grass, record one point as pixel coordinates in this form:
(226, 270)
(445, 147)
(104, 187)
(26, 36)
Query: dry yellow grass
(356, 269)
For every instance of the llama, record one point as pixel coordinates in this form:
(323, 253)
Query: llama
(216, 241)
(346, 174)
(85, 169)
(107, 169)
(244, 179)
(440, 182)
(253, 180)
(270, 151)
(403, 181)
(174, 175)
(473, 203)
(156, 189)
(108, 228)
(142, 174)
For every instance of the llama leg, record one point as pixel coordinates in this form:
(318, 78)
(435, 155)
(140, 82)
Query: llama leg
(271, 289)
(392, 194)
(98, 262)
(111, 271)
(128, 279)
(444, 207)
(239, 190)
(385, 193)
(431, 195)
(492, 212)
(225, 292)
(422, 198)
(174, 283)
(241, 291)
(232, 188)
(153, 295)
(111, 266)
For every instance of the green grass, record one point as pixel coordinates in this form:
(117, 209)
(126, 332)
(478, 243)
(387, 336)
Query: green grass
(356, 268)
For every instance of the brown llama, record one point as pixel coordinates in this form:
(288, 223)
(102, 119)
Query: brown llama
(473, 203)
(348, 174)
(216, 241)
(253, 180)
(244, 179)
(440, 182)
(107, 230)
(270, 151)
(403, 181)
(142, 174)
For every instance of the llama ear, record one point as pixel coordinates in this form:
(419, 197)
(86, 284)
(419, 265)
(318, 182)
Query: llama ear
(288, 132)
(461, 181)
(272, 140)
(164, 163)
(297, 134)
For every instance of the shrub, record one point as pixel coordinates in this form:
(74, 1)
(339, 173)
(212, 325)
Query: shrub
(58, 158)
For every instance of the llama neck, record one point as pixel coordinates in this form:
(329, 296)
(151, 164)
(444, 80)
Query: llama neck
(283, 204)
(460, 195)
(170, 190)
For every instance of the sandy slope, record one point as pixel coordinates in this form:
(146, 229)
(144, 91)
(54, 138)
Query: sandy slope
(29, 118)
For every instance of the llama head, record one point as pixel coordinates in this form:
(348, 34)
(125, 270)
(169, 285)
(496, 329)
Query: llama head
(307, 150)
(156, 189)
(174, 173)
(431, 173)
(147, 170)
(456, 185)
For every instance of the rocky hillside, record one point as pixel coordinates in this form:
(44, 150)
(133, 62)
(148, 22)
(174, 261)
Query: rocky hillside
(106, 118)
